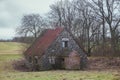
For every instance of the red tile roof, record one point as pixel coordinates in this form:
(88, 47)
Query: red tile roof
(42, 43)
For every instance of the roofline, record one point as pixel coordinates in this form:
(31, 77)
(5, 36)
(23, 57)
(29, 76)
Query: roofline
(40, 37)
(75, 40)
(56, 37)
(34, 42)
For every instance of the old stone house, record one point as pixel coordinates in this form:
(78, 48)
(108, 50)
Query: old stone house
(55, 49)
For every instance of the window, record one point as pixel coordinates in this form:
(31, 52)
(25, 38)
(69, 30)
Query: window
(65, 42)
(36, 59)
(52, 60)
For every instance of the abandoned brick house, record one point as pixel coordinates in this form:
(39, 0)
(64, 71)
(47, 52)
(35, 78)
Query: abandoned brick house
(55, 49)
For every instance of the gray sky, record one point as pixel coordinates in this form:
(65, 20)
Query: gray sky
(11, 12)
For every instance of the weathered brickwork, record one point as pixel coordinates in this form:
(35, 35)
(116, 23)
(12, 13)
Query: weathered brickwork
(56, 48)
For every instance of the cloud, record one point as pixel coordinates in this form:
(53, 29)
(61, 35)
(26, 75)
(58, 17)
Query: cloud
(11, 12)
(7, 33)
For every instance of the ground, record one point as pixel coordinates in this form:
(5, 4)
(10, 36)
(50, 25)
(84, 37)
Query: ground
(11, 47)
(11, 52)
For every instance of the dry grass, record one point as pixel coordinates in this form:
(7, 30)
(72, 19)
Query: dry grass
(7, 72)
(104, 63)
(11, 47)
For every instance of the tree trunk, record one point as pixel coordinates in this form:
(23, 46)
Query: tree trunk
(113, 42)
(88, 43)
(103, 36)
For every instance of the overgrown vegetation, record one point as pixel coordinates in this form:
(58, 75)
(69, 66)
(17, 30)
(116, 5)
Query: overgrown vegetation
(7, 71)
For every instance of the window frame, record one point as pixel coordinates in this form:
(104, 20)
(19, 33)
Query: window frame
(65, 42)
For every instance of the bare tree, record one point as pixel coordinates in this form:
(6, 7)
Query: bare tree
(78, 18)
(109, 12)
(90, 25)
(89, 21)
(63, 14)
(98, 8)
(31, 25)
(113, 20)
(55, 14)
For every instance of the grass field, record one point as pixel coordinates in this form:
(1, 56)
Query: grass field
(11, 47)
(9, 53)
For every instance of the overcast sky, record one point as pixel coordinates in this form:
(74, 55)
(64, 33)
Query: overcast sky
(11, 12)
